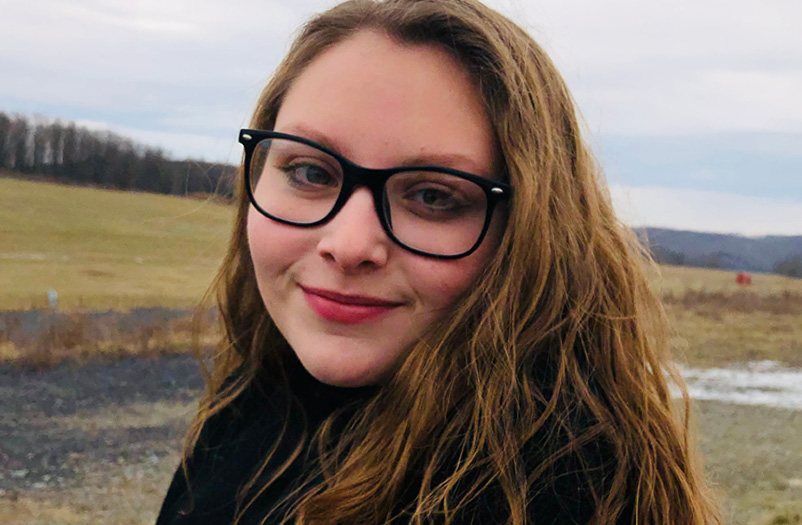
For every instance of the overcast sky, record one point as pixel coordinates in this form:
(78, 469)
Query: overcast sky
(693, 106)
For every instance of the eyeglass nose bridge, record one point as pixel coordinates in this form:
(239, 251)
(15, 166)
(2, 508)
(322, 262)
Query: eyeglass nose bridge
(354, 177)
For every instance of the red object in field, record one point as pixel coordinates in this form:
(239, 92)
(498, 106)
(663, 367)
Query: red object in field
(744, 278)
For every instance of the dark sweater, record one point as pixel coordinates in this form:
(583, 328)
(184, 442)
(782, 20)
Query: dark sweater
(234, 443)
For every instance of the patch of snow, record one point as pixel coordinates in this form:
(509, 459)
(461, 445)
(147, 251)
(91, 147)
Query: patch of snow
(765, 383)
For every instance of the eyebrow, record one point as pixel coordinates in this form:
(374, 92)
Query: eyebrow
(449, 160)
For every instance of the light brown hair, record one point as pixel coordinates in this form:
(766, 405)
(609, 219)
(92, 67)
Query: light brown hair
(561, 341)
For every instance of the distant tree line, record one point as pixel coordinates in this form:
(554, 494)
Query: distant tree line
(792, 266)
(74, 154)
(719, 259)
(666, 256)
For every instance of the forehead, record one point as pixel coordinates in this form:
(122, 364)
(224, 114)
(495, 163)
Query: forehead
(379, 102)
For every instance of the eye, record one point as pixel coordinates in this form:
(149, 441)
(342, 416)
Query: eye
(302, 174)
(436, 198)
(433, 201)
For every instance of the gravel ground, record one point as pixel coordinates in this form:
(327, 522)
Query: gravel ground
(59, 425)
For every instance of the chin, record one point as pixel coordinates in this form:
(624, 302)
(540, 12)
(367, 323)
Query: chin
(345, 376)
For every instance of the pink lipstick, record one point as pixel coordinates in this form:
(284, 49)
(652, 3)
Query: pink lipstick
(346, 309)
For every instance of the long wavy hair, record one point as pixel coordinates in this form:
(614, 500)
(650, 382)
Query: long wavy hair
(562, 339)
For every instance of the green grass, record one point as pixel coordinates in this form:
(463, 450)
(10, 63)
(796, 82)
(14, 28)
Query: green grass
(102, 249)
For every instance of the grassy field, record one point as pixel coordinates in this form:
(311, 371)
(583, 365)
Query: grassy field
(720, 322)
(102, 249)
(679, 280)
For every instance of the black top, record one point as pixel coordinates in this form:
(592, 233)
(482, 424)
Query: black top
(234, 442)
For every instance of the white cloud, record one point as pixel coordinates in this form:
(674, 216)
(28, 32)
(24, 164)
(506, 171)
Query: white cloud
(675, 67)
(636, 67)
(706, 211)
(127, 16)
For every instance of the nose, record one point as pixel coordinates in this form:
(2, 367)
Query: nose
(354, 239)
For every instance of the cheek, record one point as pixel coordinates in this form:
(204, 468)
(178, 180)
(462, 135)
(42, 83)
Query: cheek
(274, 247)
(440, 283)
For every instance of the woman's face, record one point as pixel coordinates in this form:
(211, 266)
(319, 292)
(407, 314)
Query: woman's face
(350, 301)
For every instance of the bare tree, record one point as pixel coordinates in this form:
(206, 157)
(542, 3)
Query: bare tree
(103, 158)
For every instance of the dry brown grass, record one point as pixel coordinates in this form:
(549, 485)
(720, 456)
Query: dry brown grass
(79, 337)
(741, 301)
(718, 322)
(681, 279)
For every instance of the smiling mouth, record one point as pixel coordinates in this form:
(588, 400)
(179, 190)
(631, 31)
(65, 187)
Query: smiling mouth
(346, 309)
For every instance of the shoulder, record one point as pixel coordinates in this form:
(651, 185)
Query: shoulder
(231, 444)
(567, 482)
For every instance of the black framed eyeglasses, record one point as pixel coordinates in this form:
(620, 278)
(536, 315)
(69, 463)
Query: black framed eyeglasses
(429, 210)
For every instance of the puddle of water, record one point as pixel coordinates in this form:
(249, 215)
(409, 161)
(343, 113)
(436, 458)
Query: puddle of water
(766, 383)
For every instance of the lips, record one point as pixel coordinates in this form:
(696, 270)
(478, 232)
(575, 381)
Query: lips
(345, 308)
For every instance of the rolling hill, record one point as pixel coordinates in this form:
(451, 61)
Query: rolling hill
(713, 250)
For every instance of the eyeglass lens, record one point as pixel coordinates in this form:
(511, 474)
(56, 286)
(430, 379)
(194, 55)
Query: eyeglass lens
(437, 213)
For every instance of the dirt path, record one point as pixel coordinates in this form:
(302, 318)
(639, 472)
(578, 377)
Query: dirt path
(92, 444)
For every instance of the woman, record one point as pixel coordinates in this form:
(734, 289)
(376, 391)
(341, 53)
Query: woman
(432, 313)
